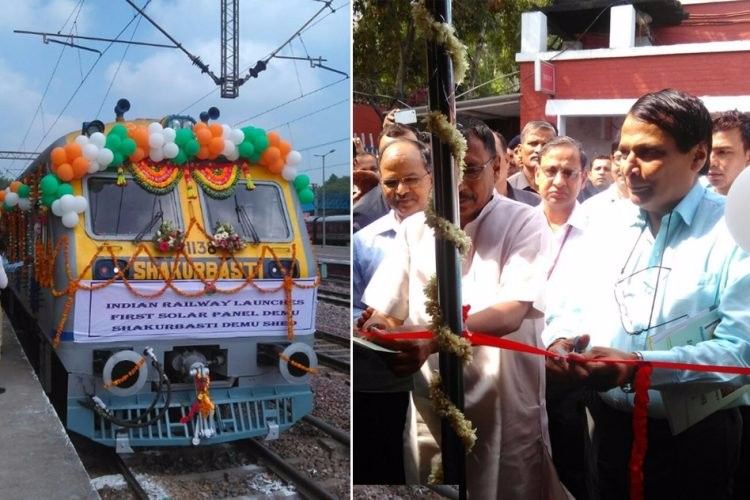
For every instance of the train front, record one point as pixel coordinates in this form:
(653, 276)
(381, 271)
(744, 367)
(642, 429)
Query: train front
(181, 301)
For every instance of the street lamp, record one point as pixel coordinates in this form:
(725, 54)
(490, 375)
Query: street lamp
(323, 204)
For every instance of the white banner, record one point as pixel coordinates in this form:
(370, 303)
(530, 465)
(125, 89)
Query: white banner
(114, 313)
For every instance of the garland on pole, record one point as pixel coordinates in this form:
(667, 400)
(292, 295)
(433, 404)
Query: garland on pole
(444, 35)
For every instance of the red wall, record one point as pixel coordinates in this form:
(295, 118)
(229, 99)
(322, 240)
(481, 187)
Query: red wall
(711, 22)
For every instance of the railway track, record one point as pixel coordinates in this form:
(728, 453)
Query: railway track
(333, 350)
(335, 298)
(282, 467)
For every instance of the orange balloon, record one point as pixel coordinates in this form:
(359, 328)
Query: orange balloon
(14, 186)
(80, 167)
(276, 167)
(2, 195)
(130, 126)
(203, 135)
(65, 172)
(73, 151)
(285, 148)
(138, 154)
(270, 156)
(199, 126)
(58, 156)
(203, 153)
(274, 138)
(140, 136)
(216, 129)
(216, 146)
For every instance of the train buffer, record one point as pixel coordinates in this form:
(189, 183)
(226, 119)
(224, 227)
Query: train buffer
(38, 460)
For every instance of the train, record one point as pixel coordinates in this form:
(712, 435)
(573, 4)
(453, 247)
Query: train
(171, 296)
(338, 229)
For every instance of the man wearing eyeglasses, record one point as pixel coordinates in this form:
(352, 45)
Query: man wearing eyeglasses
(534, 136)
(654, 271)
(381, 398)
(504, 391)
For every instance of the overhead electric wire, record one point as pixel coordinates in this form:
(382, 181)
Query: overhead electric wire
(323, 144)
(91, 69)
(309, 114)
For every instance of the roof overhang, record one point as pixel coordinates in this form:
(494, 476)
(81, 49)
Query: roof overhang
(486, 108)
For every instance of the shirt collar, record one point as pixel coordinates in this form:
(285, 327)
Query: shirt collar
(386, 223)
(577, 217)
(483, 213)
(686, 208)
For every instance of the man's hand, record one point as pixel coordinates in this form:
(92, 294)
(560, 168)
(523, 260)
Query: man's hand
(561, 376)
(411, 354)
(390, 118)
(364, 317)
(603, 376)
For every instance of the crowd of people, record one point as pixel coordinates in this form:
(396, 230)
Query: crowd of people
(627, 257)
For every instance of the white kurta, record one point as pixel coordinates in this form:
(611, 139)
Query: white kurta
(504, 390)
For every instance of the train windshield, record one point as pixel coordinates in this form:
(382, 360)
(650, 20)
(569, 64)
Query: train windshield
(128, 212)
(257, 215)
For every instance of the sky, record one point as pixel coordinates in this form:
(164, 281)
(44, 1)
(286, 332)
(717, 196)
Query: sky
(48, 90)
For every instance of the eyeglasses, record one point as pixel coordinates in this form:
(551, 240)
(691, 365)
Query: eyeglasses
(551, 173)
(474, 172)
(633, 291)
(409, 182)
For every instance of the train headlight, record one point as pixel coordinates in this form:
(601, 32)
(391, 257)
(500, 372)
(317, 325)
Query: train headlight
(106, 269)
(118, 366)
(271, 269)
(301, 355)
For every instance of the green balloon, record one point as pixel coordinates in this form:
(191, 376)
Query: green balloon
(117, 159)
(128, 147)
(64, 189)
(114, 142)
(260, 141)
(47, 200)
(119, 130)
(49, 184)
(23, 191)
(180, 158)
(306, 196)
(301, 182)
(246, 149)
(182, 136)
(192, 147)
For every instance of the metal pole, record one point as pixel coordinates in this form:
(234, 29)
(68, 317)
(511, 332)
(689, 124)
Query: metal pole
(325, 222)
(442, 98)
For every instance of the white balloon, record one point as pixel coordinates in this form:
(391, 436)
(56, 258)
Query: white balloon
(171, 150)
(155, 128)
(228, 147)
(237, 136)
(98, 139)
(104, 158)
(289, 173)
(93, 167)
(227, 130)
(70, 219)
(156, 140)
(24, 204)
(293, 158)
(67, 203)
(12, 199)
(90, 152)
(738, 206)
(82, 140)
(80, 204)
(156, 154)
(56, 208)
(169, 134)
(234, 155)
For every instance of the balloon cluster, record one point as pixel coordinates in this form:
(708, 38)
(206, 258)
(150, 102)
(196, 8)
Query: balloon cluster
(59, 197)
(94, 151)
(216, 139)
(120, 144)
(17, 194)
(68, 162)
(161, 142)
(302, 186)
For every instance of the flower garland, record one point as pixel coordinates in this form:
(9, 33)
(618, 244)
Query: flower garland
(217, 181)
(168, 238)
(226, 238)
(156, 178)
(136, 367)
(438, 124)
(444, 34)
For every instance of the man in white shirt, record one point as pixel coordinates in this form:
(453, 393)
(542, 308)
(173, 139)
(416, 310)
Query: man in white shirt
(504, 390)
(381, 398)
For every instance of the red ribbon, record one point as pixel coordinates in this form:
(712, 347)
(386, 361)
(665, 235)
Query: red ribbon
(642, 384)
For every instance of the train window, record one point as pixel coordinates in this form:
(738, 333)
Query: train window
(257, 215)
(128, 211)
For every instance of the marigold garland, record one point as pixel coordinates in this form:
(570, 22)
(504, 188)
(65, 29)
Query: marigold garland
(155, 178)
(137, 366)
(217, 181)
(300, 366)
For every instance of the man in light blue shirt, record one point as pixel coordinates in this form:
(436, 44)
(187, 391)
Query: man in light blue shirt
(380, 397)
(651, 270)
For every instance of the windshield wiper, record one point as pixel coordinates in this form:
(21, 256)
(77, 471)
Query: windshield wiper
(244, 220)
(146, 230)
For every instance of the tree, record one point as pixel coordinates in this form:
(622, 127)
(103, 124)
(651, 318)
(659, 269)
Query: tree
(390, 62)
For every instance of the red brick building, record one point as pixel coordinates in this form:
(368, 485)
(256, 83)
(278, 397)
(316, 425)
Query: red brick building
(701, 47)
